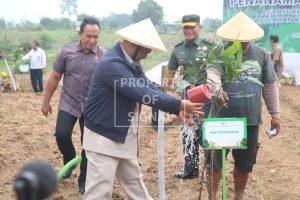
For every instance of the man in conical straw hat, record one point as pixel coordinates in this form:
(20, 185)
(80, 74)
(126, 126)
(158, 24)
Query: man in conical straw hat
(112, 108)
(245, 98)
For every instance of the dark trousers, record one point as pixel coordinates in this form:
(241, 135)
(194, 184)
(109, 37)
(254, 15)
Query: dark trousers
(191, 152)
(64, 128)
(154, 117)
(36, 76)
(191, 159)
(244, 159)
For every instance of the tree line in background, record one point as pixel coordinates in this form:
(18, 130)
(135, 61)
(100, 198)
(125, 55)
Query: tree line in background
(47, 31)
(146, 9)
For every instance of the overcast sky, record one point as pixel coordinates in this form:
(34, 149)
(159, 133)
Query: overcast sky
(33, 10)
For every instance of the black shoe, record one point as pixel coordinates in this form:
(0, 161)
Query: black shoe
(185, 176)
(81, 186)
(69, 173)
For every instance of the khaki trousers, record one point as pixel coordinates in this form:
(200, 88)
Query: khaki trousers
(101, 172)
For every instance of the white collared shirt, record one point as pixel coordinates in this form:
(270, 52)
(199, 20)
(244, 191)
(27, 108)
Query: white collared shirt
(37, 58)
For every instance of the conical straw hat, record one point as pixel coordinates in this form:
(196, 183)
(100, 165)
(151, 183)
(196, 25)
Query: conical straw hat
(144, 34)
(240, 28)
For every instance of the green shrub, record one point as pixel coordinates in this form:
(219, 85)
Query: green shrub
(6, 45)
(45, 41)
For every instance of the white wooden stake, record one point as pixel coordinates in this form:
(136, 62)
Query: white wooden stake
(160, 146)
(161, 162)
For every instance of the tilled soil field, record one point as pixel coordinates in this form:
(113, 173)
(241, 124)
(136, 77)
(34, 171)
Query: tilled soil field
(26, 135)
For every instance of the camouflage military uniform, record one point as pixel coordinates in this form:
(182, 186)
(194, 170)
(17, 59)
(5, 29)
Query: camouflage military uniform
(191, 56)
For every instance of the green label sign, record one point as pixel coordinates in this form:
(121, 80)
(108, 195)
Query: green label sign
(276, 17)
(220, 133)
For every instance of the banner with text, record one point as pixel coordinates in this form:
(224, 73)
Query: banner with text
(276, 17)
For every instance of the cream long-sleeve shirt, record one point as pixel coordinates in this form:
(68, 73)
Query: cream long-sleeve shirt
(129, 150)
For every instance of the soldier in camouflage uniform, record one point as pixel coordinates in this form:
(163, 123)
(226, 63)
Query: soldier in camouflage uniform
(191, 54)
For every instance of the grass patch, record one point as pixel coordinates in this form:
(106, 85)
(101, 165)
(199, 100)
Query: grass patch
(64, 37)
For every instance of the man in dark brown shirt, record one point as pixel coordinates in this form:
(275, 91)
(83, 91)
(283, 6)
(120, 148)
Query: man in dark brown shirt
(276, 55)
(76, 63)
